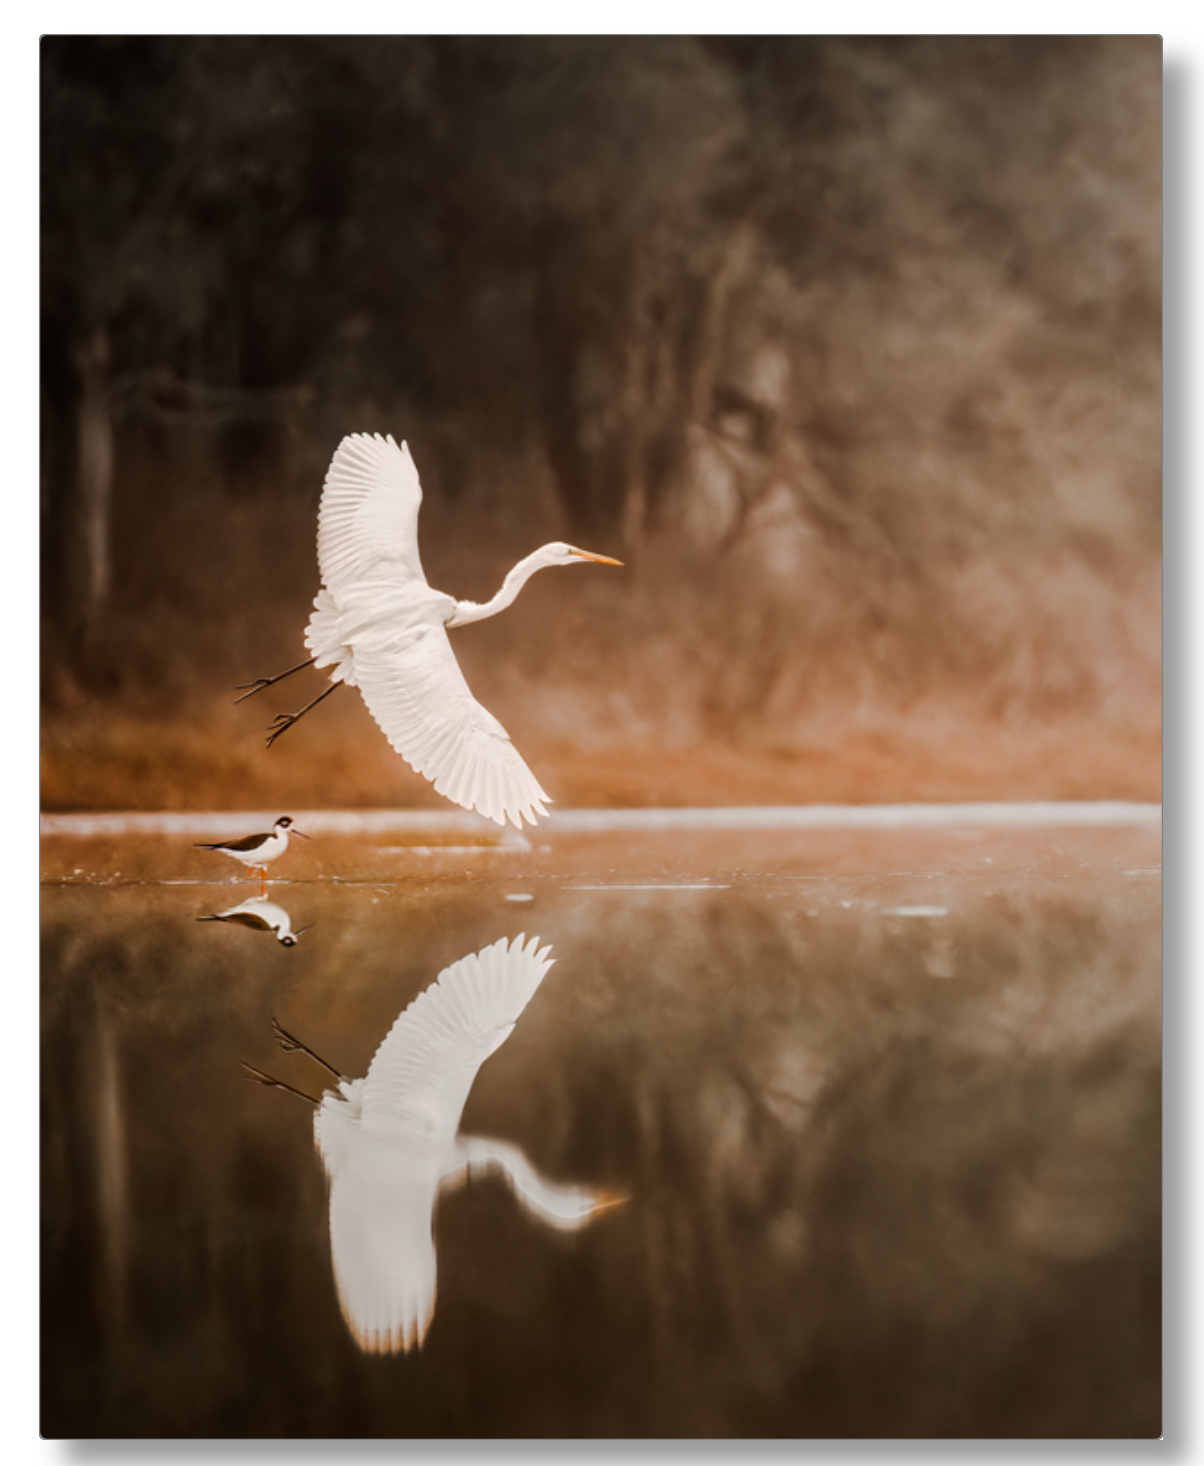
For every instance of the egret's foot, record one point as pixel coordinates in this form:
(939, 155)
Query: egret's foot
(287, 1042)
(261, 1078)
(249, 688)
(281, 723)
(292, 1045)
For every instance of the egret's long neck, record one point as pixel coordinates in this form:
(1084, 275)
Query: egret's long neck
(561, 1206)
(467, 611)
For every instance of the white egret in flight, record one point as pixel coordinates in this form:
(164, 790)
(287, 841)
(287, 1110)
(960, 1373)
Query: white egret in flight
(257, 852)
(383, 629)
(390, 1145)
(261, 915)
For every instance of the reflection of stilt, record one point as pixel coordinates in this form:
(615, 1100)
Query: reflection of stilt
(261, 915)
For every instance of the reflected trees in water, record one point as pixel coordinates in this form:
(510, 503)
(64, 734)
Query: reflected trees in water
(891, 1146)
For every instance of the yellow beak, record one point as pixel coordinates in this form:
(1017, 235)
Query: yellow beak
(598, 559)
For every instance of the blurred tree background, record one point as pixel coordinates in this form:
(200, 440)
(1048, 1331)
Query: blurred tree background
(849, 347)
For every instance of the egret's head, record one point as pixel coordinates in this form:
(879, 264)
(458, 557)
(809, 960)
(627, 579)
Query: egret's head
(561, 554)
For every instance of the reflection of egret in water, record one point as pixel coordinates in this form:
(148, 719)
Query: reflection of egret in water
(390, 1146)
(261, 915)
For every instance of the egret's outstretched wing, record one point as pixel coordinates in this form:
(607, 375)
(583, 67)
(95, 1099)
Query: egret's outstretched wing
(421, 1074)
(413, 687)
(368, 521)
(382, 1251)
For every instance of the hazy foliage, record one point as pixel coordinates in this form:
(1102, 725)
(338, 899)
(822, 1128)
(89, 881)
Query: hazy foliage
(850, 346)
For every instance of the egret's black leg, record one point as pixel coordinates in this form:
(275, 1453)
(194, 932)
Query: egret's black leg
(261, 1078)
(261, 682)
(292, 1045)
(283, 721)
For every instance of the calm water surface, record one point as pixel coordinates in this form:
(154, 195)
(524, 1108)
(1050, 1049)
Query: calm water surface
(871, 1120)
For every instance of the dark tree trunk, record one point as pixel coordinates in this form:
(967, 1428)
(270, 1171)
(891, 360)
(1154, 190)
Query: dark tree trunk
(95, 469)
(77, 489)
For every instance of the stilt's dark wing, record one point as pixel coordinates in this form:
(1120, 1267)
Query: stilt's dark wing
(246, 844)
(248, 918)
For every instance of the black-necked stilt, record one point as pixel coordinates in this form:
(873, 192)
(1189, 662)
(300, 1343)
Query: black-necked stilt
(257, 852)
(390, 1142)
(384, 630)
(262, 915)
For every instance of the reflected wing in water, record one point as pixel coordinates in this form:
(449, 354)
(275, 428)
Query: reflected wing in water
(383, 1253)
(420, 1077)
(261, 915)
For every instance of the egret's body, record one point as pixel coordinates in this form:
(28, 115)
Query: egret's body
(261, 915)
(257, 852)
(382, 628)
(390, 1142)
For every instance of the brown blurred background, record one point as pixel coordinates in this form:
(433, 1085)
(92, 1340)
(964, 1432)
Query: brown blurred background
(850, 348)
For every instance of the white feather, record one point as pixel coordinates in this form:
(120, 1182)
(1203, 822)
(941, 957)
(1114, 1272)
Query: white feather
(382, 628)
(389, 1140)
